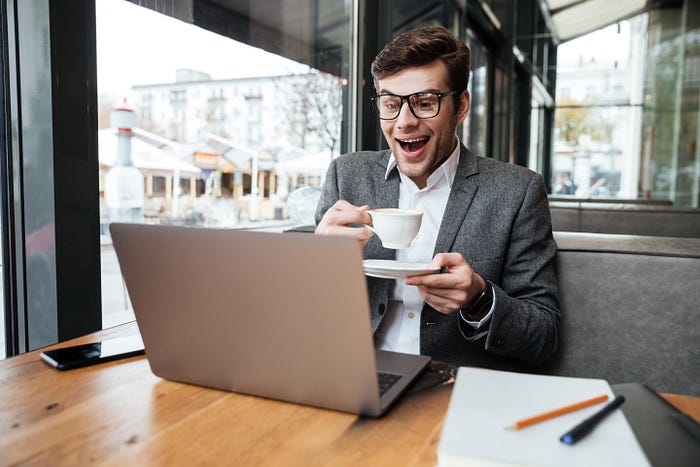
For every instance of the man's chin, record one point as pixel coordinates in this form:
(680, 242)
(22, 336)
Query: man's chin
(411, 169)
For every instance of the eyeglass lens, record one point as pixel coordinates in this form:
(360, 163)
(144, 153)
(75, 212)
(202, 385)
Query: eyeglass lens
(423, 105)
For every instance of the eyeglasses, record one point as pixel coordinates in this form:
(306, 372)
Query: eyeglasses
(423, 104)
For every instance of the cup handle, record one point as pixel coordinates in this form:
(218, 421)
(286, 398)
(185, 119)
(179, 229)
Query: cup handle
(371, 213)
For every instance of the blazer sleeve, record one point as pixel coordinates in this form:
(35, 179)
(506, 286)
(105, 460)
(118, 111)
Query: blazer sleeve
(329, 193)
(525, 319)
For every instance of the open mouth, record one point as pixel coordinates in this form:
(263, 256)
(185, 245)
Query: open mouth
(413, 144)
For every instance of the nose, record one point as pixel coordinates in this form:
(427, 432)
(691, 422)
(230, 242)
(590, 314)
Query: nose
(406, 117)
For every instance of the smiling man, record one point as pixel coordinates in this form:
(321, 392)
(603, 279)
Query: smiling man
(486, 223)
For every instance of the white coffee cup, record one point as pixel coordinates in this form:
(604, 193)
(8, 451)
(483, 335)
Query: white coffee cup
(396, 228)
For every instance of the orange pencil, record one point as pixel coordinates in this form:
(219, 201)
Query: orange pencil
(556, 412)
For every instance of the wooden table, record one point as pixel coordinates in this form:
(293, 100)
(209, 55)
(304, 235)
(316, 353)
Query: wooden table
(120, 414)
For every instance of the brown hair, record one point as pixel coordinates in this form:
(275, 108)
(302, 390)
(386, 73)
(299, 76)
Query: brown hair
(422, 46)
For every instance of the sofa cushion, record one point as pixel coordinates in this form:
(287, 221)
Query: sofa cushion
(625, 218)
(629, 310)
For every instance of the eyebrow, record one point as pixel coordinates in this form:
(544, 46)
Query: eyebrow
(386, 91)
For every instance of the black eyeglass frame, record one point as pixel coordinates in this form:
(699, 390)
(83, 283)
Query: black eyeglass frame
(406, 98)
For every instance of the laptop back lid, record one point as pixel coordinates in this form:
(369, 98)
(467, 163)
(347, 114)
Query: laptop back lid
(283, 316)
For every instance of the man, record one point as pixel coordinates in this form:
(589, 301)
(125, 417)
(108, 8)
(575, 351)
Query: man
(485, 224)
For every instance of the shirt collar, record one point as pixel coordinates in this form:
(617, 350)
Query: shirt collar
(448, 169)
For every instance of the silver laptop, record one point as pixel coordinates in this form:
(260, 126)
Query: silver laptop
(282, 316)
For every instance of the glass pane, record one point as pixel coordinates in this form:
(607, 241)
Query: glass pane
(598, 113)
(474, 136)
(598, 166)
(38, 187)
(207, 124)
(671, 160)
(410, 14)
(27, 95)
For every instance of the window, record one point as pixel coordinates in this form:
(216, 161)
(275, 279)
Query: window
(205, 159)
(598, 113)
(637, 138)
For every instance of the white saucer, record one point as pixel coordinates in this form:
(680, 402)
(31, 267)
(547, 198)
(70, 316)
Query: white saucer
(390, 269)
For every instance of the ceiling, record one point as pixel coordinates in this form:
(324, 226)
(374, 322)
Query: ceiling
(574, 18)
(295, 19)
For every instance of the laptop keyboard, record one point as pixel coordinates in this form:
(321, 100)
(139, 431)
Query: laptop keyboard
(387, 380)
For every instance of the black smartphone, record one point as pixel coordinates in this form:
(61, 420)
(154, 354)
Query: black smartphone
(77, 356)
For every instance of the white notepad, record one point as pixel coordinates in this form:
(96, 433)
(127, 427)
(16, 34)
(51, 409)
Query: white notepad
(484, 402)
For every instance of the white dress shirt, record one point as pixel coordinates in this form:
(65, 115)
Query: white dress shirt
(400, 328)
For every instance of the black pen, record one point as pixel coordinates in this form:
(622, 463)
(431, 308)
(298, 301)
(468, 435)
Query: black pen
(582, 429)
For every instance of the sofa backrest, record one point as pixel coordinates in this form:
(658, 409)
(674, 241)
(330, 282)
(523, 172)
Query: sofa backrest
(625, 218)
(629, 310)
(572, 198)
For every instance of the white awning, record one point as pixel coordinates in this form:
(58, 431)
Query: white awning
(144, 156)
(311, 164)
(574, 18)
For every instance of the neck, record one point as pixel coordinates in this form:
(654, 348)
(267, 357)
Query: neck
(421, 181)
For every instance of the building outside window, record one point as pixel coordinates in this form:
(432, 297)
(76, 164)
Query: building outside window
(626, 122)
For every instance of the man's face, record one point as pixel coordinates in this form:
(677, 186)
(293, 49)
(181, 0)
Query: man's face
(421, 145)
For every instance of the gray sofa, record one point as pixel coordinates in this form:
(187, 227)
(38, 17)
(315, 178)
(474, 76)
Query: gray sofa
(625, 218)
(630, 310)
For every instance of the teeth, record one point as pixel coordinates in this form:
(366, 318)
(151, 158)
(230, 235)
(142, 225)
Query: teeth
(414, 140)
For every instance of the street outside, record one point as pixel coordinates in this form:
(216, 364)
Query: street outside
(116, 306)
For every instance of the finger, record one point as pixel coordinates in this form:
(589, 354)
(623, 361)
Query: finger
(456, 296)
(342, 205)
(341, 229)
(343, 217)
(350, 217)
(365, 236)
(439, 302)
(436, 281)
(447, 260)
(349, 213)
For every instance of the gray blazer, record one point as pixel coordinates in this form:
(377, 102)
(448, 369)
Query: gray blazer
(497, 217)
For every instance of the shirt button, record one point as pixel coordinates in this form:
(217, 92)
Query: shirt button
(411, 315)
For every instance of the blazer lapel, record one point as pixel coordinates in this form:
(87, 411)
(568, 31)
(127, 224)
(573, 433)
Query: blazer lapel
(387, 191)
(461, 196)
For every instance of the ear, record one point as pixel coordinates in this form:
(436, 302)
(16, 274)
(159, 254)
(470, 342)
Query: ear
(464, 104)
